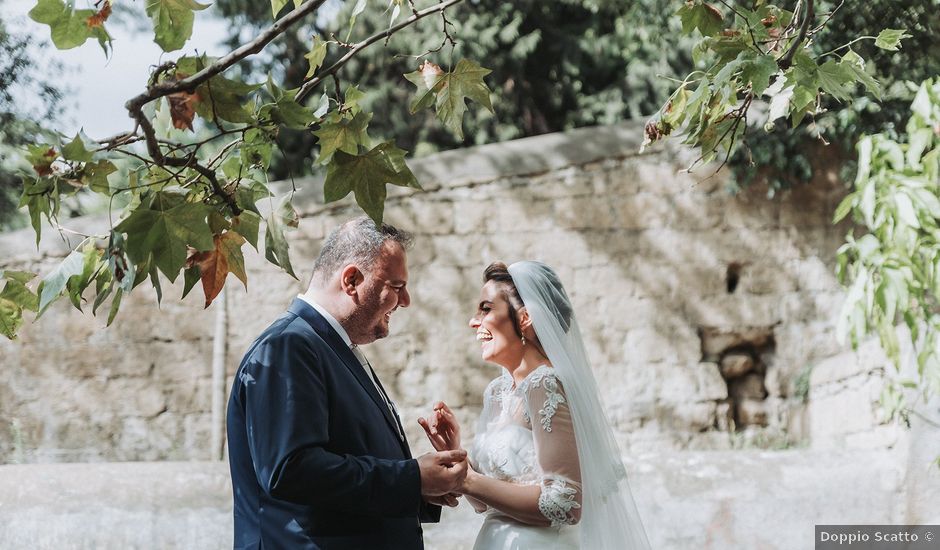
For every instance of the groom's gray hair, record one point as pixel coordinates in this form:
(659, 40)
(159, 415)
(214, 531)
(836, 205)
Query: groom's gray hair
(358, 241)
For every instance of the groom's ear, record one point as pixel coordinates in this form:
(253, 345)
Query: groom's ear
(350, 278)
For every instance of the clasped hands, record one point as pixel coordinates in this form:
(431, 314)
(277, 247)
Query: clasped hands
(444, 472)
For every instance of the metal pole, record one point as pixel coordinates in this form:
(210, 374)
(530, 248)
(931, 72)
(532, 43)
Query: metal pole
(218, 377)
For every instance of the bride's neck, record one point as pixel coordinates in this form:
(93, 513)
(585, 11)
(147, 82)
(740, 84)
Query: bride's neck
(532, 359)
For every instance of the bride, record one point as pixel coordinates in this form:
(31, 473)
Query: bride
(544, 465)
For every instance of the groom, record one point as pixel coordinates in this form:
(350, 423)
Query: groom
(317, 452)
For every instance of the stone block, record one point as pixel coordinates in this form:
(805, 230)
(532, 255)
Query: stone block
(733, 310)
(709, 382)
(695, 416)
(429, 217)
(832, 417)
(716, 341)
(472, 217)
(734, 365)
(642, 211)
(749, 386)
(524, 214)
(653, 345)
(815, 273)
(585, 213)
(751, 412)
(724, 417)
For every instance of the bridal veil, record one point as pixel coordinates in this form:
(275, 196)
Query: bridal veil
(609, 518)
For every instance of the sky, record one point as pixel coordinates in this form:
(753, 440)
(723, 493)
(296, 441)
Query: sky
(101, 86)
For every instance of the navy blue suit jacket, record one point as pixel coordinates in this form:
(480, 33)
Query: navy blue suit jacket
(315, 455)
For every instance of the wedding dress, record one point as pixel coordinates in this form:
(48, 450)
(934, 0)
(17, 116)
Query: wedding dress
(525, 436)
(551, 430)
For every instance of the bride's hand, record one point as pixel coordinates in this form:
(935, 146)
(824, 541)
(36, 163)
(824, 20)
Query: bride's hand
(443, 429)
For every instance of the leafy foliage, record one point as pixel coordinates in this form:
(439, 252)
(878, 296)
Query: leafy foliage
(783, 156)
(754, 54)
(555, 66)
(188, 200)
(893, 270)
(25, 71)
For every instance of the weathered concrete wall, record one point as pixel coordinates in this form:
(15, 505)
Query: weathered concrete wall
(699, 308)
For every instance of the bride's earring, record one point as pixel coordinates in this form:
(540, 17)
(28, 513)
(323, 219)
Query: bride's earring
(523, 339)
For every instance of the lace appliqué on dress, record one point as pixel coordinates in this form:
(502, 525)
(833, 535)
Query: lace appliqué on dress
(553, 397)
(558, 500)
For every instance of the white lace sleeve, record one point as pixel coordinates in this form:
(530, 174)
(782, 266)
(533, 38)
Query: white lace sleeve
(555, 448)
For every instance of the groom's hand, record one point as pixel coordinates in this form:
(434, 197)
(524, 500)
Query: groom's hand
(442, 472)
(450, 499)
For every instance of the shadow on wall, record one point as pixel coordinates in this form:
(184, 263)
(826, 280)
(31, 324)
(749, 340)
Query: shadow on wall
(655, 260)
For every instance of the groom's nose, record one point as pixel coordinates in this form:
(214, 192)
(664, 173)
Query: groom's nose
(404, 298)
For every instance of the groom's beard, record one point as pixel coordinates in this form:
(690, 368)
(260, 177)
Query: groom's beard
(367, 321)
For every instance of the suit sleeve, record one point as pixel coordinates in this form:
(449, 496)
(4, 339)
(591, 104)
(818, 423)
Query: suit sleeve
(286, 408)
(429, 513)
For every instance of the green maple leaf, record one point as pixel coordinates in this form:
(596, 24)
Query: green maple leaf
(856, 64)
(757, 73)
(465, 82)
(165, 234)
(219, 98)
(285, 109)
(428, 84)
(91, 258)
(315, 56)
(836, 79)
(342, 134)
(451, 90)
(802, 101)
(246, 224)
(69, 26)
(890, 39)
(276, 249)
(14, 299)
(95, 176)
(230, 246)
(75, 150)
(366, 175)
(36, 198)
(16, 290)
(702, 16)
(54, 283)
(191, 276)
(172, 21)
(278, 5)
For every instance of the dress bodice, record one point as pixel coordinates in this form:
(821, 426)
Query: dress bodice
(525, 436)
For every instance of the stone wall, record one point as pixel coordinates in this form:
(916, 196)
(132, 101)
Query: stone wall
(700, 308)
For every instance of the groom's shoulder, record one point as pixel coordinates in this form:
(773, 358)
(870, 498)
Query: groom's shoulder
(289, 330)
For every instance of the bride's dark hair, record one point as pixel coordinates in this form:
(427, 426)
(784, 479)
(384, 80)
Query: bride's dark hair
(497, 271)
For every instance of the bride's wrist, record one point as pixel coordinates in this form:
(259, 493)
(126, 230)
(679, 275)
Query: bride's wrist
(470, 482)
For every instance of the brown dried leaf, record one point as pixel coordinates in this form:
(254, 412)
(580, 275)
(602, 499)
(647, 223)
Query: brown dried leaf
(44, 168)
(214, 267)
(100, 17)
(431, 73)
(183, 109)
(713, 9)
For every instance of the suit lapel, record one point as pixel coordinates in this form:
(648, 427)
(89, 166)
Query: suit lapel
(322, 327)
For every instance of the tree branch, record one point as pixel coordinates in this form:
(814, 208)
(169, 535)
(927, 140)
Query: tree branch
(190, 83)
(787, 59)
(135, 105)
(309, 85)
